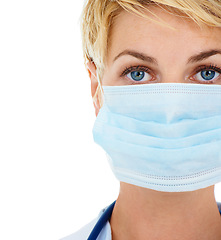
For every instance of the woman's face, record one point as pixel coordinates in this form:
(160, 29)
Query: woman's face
(141, 51)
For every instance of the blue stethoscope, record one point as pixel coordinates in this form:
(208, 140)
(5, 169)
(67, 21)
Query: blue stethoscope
(103, 220)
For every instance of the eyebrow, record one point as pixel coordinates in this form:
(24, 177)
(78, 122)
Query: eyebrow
(203, 55)
(137, 55)
(195, 58)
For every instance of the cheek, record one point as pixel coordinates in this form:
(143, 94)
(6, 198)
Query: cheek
(109, 77)
(106, 80)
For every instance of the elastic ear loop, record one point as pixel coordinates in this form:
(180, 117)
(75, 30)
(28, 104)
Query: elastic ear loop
(99, 90)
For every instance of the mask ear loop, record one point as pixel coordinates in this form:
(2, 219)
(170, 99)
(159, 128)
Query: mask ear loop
(99, 92)
(99, 83)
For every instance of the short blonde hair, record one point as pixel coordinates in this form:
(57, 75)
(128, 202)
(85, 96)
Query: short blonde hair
(98, 16)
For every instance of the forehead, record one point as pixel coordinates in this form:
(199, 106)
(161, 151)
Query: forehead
(130, 31)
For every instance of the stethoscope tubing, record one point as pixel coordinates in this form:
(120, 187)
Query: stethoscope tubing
(101, 222)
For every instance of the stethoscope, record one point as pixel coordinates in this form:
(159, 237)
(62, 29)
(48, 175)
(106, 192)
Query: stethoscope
(103, 220)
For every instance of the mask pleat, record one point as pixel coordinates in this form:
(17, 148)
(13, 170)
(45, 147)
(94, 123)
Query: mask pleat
(165, 137)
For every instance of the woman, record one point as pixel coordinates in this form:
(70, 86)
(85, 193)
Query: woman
(155, 70)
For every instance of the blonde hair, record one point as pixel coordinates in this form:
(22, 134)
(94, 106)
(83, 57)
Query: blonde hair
(98, 16)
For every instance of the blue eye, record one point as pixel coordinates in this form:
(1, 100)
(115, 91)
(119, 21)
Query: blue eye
(139, 76)
(207, 75)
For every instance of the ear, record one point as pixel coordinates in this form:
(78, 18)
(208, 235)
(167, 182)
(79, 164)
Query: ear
(92, 70)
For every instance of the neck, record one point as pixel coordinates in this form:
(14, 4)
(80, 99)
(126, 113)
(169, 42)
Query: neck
(141, 212)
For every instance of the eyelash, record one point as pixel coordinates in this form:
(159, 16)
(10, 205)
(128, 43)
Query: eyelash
(135, 68)
(207, 67)
(130, 69)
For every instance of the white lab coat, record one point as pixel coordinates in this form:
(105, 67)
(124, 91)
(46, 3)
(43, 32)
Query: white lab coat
(84, 232)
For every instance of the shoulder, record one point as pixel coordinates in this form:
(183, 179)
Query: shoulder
(85, 231)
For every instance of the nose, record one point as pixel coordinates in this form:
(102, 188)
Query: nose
(173, 80)
(173, 75)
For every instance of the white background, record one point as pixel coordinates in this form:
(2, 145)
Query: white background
(53, 178)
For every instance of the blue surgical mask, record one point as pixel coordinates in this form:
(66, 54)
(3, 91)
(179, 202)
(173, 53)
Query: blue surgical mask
(163, 136)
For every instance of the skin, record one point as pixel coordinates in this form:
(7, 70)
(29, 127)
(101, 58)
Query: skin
(142, 213)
